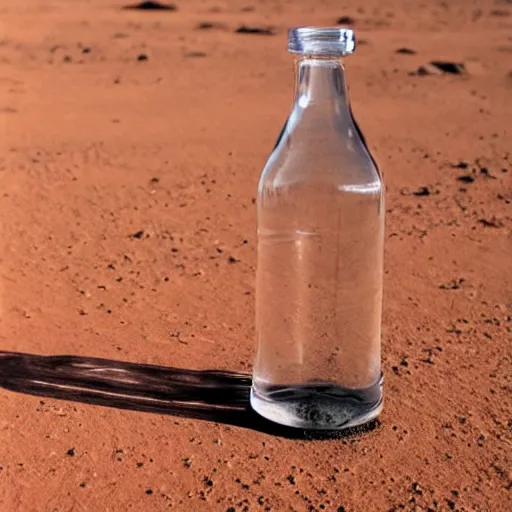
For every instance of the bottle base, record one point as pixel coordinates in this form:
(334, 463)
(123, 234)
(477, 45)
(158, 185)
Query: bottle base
(318, 406)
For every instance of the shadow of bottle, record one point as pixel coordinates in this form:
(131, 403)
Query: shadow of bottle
(212, 395)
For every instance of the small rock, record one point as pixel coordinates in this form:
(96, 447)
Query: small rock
(345, 20)
(483, 169)
(486, 173)
(439, 67)
(422, 191)
(452, 68)
(466, 178)
(208, 25)
(71, 452)
(491, 223)
(417, 489)
(291, 479)
(142, 57)
(454, 284)
(255, 30)
(151, 6)
(406, 51)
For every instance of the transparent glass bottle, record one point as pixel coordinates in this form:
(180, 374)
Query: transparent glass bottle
(320, 251)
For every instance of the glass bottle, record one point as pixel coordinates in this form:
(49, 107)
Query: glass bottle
(320, 251)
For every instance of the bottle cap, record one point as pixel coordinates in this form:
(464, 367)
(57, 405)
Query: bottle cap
(319, 41)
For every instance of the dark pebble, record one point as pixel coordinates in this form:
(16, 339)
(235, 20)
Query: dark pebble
(254, 30)
(452, 68)
(454, 284)
(406, 51)
(151, 6)
(489, 223)
(208, 25)
(422, 191)
(345, 20)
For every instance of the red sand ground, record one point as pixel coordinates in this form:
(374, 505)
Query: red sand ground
(96, 145)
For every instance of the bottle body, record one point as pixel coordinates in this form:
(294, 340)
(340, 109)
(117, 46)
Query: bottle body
(319, 271)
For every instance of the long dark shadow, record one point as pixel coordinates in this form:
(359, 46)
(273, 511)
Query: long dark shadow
(212, 395)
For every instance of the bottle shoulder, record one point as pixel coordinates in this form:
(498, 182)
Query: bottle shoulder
(339, 160)
(321, 143)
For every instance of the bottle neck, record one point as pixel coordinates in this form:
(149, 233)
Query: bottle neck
(320, 82)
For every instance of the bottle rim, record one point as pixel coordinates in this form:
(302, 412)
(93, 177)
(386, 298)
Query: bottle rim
(321, 41)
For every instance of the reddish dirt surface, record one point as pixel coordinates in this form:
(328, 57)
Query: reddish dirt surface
(98, 144)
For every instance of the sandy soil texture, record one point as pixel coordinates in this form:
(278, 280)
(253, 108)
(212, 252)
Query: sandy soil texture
(131, 143)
